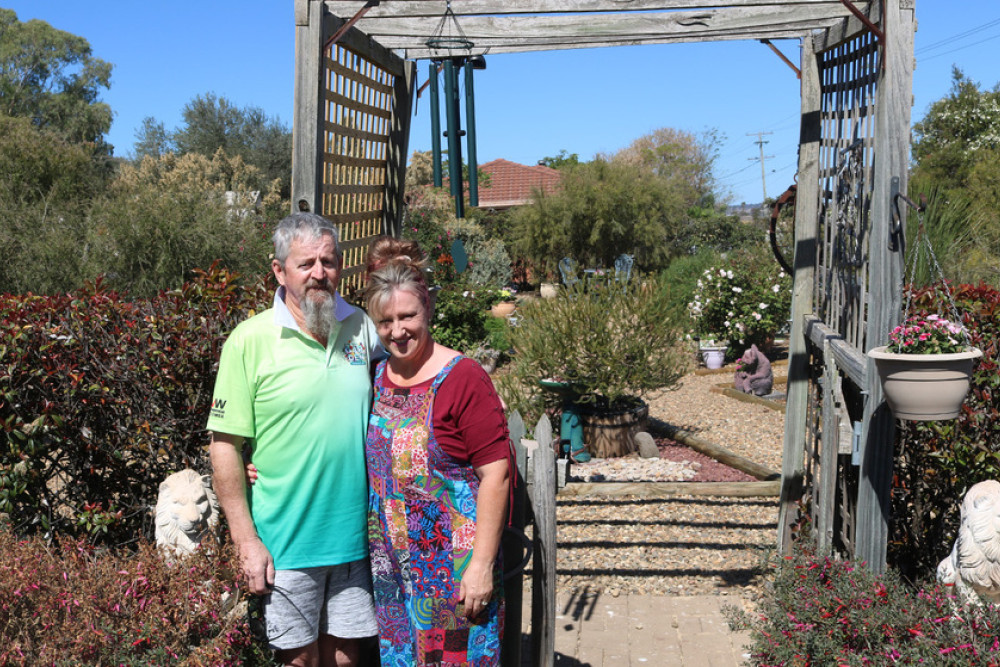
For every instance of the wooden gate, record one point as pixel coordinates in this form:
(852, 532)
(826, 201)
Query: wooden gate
(848, 280)
(350, 132)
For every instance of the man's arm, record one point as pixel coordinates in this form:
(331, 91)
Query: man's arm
(230, 486)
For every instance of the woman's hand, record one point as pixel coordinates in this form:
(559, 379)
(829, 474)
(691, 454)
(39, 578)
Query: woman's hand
(476, 588)
(250, 473)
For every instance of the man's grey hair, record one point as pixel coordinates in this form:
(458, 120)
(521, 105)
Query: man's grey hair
(302, 226)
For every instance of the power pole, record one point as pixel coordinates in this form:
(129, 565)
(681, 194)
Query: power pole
(760, 143)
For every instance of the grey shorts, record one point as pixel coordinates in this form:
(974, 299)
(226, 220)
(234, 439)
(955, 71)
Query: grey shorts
(335, 600)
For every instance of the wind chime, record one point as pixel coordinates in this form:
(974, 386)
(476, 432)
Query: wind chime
(449, 39)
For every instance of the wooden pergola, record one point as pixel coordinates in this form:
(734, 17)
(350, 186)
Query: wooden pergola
(355, 75)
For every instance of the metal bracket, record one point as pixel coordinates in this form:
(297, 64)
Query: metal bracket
(798, 72)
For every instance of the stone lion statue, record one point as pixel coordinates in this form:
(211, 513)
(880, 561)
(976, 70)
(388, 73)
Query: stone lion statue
(973, 566)
(186, 509)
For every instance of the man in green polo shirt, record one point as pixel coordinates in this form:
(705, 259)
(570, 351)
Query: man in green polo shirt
(294, 385)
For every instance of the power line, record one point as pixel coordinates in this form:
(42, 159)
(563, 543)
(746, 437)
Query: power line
(954, 38)
(959, 48)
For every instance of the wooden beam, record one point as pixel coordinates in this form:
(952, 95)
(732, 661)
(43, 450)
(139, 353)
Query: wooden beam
(436, 8)
(806, 230)
(423, 53)
(849, 359)
(671, 489)
(621, 25)
(892, 149)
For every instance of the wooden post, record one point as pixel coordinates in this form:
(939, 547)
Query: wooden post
(310, 107)
(399, 136)
(513, 549)
(825, 497)
(543, 583)
(806, 226)
(892, 150)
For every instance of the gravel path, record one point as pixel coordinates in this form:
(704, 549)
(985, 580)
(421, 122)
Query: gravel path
(686, 545)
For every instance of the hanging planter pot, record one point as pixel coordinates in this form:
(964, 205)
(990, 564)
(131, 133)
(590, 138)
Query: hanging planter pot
(925, 387)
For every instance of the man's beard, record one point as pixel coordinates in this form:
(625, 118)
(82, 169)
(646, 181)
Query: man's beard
(319, 315)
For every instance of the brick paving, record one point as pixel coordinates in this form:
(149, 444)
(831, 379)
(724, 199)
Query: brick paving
(594, 629)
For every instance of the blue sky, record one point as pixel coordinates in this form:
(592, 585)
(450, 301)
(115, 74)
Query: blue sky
(528, 106)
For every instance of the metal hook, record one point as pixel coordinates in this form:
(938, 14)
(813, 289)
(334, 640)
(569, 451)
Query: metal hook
(897, 218)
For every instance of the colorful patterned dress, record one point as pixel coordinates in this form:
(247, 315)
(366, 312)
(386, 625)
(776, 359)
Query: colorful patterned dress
(421, 524)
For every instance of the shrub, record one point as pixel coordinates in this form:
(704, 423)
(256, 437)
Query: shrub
(70, 604)
(167, 216)
(937, 462)
(102, 397)
(742, 302)
(609, 344)
(822, 611)
(461, 314)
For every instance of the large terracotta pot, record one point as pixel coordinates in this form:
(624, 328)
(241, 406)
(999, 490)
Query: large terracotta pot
(924, 387)
(502, 309)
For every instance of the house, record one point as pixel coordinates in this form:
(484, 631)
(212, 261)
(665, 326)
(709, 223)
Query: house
(504, 184)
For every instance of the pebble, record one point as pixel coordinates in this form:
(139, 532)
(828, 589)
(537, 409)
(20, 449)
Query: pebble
(683, 545)
(632, 469)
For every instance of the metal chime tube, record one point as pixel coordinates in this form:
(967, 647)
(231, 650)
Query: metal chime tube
(470, 124)
(435, 103)
(452, 110)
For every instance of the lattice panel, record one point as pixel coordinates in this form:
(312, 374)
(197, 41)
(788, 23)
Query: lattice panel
(358, 101)
(848, 74)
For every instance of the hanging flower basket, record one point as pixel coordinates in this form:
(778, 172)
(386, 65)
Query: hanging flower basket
(925, 387)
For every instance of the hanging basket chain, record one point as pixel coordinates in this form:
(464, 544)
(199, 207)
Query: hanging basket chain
(923, 247)
(448, 35)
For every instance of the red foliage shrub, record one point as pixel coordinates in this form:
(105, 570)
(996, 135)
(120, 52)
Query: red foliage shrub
(101, 397)
(70, 604)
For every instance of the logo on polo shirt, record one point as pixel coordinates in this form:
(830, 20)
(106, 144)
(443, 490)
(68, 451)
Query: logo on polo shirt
(218, 408)
(356, 354)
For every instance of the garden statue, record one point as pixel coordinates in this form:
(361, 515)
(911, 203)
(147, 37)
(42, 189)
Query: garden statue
(974, 563)
(754, 374)
(186, 510)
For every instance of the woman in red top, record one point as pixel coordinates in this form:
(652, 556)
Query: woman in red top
(438, 467)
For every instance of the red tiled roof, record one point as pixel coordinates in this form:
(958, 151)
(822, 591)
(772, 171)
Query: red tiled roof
(510, 183)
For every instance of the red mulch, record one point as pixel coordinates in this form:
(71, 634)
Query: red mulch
(710, 470)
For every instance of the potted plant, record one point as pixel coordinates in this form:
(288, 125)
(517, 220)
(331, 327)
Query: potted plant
(926, 368)
(504, 304)
(713, 352)
(602, 348)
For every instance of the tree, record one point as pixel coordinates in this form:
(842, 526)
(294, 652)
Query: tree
(603, 209)
(46, 186)
(677, 156)
(52, 78)
(564, 159)
(652, 199)
(166, 216)
(152, 139)
(956, 132)
(212, 122)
